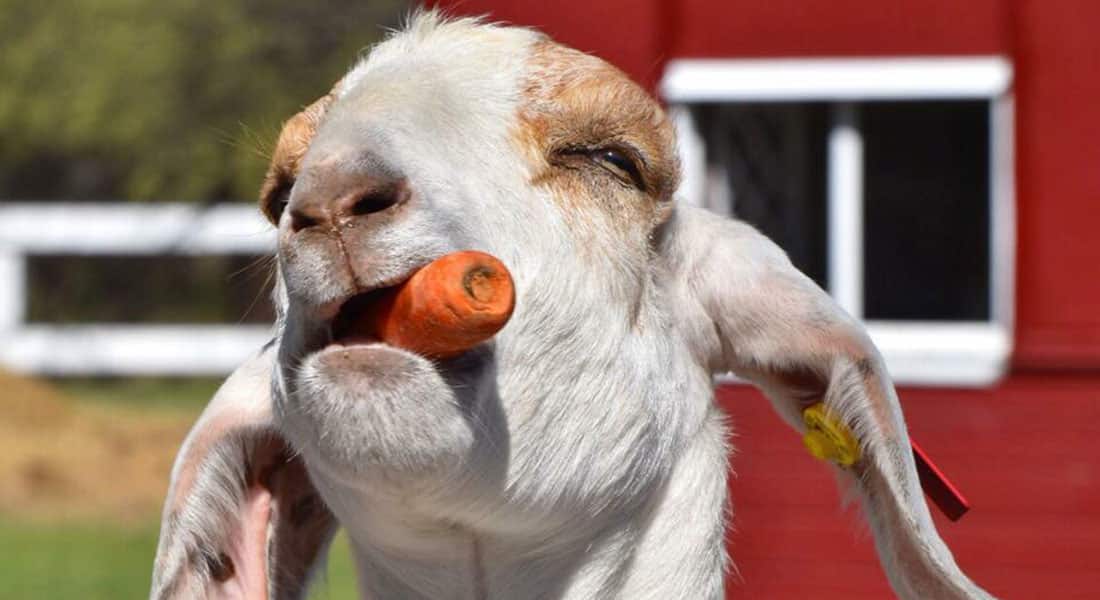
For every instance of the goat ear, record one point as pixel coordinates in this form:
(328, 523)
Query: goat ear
(767, 322)
(294, 140)
(242, 519)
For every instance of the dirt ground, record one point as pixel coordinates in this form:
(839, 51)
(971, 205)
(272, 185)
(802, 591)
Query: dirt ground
(61, 459)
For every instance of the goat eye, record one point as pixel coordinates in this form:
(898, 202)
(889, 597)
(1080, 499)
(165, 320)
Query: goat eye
(277, 200)
(619, 162)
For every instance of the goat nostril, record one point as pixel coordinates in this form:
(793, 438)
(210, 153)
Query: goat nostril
(300, 220)
(316, 210)
(376, 201)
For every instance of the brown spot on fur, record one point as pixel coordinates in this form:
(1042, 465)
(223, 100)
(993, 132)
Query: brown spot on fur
(294, 140)
(803, 383)
(304, 509)
(573, 100)
(221, 567)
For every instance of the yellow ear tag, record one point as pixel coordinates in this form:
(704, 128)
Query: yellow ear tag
(827, 438)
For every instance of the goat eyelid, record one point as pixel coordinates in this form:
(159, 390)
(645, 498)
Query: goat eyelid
(276, 200)
(620, 161)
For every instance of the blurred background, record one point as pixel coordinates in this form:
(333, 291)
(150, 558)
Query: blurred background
(932, 164)
(133, 137)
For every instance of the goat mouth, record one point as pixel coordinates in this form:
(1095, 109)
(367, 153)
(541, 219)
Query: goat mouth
(354, 320)
(358, 319)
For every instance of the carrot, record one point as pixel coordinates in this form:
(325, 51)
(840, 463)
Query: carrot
(447, 307)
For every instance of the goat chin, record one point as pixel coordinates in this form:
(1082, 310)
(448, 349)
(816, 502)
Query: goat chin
(577, 455)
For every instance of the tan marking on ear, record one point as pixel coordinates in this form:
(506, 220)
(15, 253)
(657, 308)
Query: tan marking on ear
(572, 99)
(294, 140)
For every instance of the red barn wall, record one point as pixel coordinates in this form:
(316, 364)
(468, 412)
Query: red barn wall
(750, 28)
(1058, 183)
(1024, 453)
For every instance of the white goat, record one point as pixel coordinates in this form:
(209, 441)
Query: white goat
(579, 454)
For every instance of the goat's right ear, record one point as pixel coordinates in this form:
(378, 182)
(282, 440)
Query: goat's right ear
(242, 519)
(751, 312)
(294, 140)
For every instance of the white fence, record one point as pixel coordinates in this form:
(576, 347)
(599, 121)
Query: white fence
(28, 229)
(920, 353)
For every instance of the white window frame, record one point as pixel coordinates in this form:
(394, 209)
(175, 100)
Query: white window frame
(968, 354)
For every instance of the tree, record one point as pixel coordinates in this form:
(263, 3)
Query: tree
(166, 100)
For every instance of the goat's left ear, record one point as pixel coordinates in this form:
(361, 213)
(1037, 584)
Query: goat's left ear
(758, 316)
(242, 519)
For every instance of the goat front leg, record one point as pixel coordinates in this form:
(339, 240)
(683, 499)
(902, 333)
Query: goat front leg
(776, 328)
(242, 518)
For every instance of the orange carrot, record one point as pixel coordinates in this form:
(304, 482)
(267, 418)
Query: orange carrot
(447, 307)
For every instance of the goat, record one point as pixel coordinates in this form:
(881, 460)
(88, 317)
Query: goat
(579, 454)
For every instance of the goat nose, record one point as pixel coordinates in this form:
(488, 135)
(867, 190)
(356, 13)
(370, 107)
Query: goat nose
(370, 197)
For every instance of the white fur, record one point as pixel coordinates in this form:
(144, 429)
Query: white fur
(577, 456)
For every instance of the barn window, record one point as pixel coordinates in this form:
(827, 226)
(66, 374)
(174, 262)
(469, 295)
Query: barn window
(888, 181)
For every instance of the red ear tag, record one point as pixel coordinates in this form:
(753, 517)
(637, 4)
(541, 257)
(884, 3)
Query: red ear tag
(938, 487)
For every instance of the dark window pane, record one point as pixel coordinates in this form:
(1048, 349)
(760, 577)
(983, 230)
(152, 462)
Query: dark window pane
(150, 289)
(926, 202)
(772, 157)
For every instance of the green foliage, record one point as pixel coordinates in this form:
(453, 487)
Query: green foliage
(166, 100)
(158, 289)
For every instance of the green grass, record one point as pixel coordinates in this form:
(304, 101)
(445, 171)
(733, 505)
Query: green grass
(54, 559)
(79, 561)
(92, 562)
(338, 580)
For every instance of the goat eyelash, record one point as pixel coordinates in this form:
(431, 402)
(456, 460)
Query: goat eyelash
(620, 161)
(275, 202)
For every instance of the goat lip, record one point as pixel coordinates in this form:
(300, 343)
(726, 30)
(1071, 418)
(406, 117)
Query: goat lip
(353, 340)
